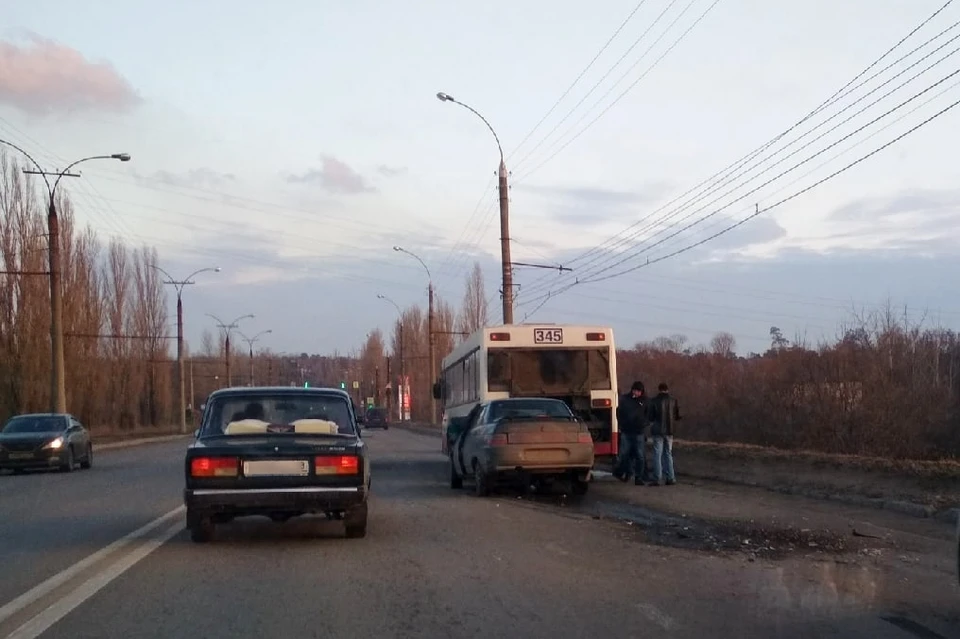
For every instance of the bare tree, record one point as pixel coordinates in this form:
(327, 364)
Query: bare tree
(473, 312)
(723, 344)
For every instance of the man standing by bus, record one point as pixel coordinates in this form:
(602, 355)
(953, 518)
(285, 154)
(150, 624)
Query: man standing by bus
(632, 419)
(663, 411)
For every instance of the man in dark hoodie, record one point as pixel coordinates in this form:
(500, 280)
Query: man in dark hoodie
(663, 411)
(632, 420)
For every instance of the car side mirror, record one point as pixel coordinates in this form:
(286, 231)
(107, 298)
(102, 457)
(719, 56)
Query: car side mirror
(361, 419)
(196, 433)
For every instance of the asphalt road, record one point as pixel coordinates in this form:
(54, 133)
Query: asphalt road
(435, 563)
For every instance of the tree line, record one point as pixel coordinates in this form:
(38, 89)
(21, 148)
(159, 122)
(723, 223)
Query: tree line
(116, 329)
(886, 386)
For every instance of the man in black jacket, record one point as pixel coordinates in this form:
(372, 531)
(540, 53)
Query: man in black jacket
(663, 411)
(632, 420)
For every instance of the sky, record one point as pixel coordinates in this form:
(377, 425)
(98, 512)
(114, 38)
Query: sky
(294, 146)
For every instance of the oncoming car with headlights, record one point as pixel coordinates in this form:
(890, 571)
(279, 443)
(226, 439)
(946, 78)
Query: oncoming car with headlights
(277, 452)
(44, 440)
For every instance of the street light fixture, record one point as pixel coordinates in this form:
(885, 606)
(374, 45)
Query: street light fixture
(430, 331)
(58, 388)
(226, 329)
(179, 285)
(504, 189)
(250, 342)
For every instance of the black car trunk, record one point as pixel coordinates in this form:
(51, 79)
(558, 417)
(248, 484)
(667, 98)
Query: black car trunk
(281, 461)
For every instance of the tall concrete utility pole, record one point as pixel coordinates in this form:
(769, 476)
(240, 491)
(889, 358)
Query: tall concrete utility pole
(181, 382)
(430, 330)
(58, 387)
(504, 190)
(227, 328)
(250, 342)
(505, 263)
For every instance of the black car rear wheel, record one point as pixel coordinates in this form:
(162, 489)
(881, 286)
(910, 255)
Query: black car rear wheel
(355, 522)
(201, 527)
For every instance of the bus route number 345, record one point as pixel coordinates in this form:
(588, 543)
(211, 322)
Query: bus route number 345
(548, 336)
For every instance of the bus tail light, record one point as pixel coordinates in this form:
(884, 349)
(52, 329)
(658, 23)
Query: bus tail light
(600, 403)
(214, 467)
(584, 437)
(499, 337)
(498, 439)
(596, 337)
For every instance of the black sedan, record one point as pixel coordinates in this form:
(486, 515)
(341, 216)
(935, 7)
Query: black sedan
(44, 440)
(277, 452)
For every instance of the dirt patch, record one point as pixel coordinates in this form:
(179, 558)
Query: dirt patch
(751, 539)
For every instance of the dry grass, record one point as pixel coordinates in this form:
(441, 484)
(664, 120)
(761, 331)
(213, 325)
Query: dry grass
(942, 469)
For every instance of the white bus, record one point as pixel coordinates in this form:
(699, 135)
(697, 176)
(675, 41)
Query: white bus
(576, 364)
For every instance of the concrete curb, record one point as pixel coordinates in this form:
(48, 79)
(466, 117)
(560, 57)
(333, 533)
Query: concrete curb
(138, 442)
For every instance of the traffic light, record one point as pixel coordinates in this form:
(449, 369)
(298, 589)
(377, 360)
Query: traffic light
(343, 385)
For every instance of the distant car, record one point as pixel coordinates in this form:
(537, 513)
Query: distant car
(278, 452)
(377, 418)
(520, 439)
(44, 440)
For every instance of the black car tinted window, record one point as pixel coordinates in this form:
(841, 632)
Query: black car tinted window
(281, 413)
(34, 424)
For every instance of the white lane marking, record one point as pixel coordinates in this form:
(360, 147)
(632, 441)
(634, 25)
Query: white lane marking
(656, 615)
(44, 620)
(54, 582)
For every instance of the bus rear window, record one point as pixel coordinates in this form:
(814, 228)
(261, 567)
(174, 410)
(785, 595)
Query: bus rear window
(547, 371)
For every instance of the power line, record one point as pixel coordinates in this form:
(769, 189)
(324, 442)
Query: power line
(594, 87)
(837, 95)
(578, 78)
(623, 239)
(808, 144)
(760, 211)
(626, 91)
(781, 174)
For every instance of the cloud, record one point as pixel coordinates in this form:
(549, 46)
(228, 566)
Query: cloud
(919, 203)
(44, 77)
(193, 178)
(391, 171)
(588, 206)
(335, 176)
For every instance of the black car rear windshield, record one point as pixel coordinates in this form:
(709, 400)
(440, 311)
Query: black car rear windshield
(280, 413)
(33, 424)
(529, 408)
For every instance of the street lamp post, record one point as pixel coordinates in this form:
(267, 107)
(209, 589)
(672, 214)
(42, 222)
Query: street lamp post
(226, 328)
(58, 388)
(403, 371)
(181, 384)
(250, 342)
(430, 331)
(505, 261)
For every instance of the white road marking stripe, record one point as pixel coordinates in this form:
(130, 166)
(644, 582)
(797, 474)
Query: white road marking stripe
(54, 582)
(656, 615)
(44, 620)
